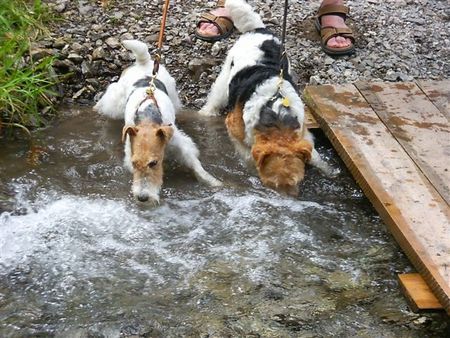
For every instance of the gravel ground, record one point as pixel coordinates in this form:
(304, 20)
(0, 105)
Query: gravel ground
(397, 40)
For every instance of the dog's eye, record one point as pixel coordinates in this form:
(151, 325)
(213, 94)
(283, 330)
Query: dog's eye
(151, 164)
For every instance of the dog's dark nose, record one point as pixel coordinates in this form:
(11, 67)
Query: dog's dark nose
(153, 163)
(142, 198)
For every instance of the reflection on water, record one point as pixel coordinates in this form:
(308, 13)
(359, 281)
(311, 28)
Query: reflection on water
(80, 258)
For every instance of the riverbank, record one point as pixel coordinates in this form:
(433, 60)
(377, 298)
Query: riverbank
(397, 40)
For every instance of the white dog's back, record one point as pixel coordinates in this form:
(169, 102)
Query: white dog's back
(113, 102)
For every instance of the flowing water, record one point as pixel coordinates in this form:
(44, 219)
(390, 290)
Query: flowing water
(81, 258)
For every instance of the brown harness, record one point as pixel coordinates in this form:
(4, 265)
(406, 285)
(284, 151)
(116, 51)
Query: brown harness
(157, 58)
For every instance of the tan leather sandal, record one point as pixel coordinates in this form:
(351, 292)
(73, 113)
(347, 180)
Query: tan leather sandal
(224, 25)
(328, 32)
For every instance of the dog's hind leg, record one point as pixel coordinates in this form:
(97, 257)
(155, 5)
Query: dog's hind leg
(112, 103)
(188, 153)
(218, 97)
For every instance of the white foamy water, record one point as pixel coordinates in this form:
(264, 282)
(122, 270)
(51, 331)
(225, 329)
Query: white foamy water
(91, 237)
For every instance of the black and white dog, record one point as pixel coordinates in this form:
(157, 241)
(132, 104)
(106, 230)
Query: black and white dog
(265, 115)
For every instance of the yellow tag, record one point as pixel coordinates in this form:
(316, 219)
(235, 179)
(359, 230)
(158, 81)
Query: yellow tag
(285, 102)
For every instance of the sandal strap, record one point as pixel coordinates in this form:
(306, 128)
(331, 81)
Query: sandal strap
(222, 23)
(330, 32)
(333, 9)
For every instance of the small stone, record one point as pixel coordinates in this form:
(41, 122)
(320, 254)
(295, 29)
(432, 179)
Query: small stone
(85, 10)
(59, 43)
(40, 53)
(328, 61)
(216, 49)
(64, 66)
(315, 80)
(118, 15)
(79, 93)
(86, 68)
(76, 47)
(99, 53)
(199, 66)
(126, 36)
(113, 42)
(60, 6)
(76, 58)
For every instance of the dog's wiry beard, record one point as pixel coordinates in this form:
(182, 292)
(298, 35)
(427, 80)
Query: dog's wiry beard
(148, 143)
(280, 156)
(282, 172)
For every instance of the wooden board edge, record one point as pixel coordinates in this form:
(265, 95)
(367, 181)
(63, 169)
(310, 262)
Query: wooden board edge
(422, 86)
(310, 121)
(379, 206)
(366, 89)
(418, 295)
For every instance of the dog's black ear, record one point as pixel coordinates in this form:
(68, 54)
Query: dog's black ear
(128, 130)
(165, 133)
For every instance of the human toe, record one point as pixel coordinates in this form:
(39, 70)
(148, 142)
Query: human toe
(208, 29)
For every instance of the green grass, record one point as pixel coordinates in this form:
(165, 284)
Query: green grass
(25, 85)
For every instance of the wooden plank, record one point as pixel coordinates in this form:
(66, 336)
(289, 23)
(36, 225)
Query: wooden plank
(439, 93)
(415, 213)
(310, 121)
(417, 125)
(417, 292)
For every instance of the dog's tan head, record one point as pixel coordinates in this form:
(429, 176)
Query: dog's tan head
(148, 143)
(280, 156)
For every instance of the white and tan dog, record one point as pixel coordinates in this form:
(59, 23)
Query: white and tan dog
(265, 116)
(149, 124)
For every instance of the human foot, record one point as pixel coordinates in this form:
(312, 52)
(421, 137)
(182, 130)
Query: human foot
(335, 21)
(215, 25)
(337, 38)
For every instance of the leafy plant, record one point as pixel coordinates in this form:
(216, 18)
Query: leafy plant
(25, 85)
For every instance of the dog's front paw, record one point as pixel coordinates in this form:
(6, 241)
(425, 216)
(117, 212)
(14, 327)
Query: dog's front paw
(214, 182)
(327, 169)
(209, 179)
(333, 172)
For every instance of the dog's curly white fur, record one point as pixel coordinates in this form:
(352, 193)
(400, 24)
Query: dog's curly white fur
(265, 120)
(149, 124)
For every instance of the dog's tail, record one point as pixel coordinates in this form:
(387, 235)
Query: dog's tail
(243, 16)
(139, 49)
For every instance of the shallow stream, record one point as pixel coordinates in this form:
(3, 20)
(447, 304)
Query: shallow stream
(80, 258)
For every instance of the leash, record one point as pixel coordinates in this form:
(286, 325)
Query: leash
(285, 102)
(157, 57)
(283, 32)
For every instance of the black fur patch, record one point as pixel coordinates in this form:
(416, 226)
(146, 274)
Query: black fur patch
(272, 55)
(150, 112)
(245, 82)
(269, 118)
